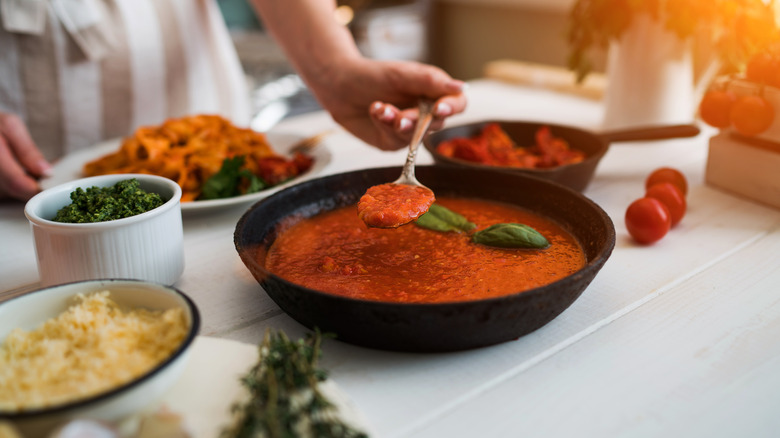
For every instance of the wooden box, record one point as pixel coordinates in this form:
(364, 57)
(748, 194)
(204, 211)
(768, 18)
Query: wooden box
(745, 167)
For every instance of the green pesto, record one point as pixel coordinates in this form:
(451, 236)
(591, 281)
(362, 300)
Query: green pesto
(100, 204)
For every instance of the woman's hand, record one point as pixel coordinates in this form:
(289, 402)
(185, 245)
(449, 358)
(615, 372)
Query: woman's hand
(377, 100)
(21, 163)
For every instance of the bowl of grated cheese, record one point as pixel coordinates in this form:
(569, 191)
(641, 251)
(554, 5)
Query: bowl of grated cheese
(98, 349)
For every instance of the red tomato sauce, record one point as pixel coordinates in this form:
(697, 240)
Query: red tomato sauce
(392, 205)
(493, 146)
(335, 252)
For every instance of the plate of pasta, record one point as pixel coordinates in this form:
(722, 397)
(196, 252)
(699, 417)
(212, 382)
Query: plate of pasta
(215, 163)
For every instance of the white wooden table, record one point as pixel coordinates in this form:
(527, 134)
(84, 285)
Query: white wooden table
(680, 339)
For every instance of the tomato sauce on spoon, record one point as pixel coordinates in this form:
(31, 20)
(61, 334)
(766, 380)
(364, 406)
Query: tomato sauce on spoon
(392, 205)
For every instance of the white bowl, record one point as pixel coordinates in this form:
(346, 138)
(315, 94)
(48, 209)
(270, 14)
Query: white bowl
(30, 310)
(147, 246)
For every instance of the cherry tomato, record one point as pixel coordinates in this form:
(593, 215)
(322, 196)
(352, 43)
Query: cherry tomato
(670, 175)
(774, 78)
(672, 197)
(773, 73)
(647, 220)
(761, 67)
(752, 115)
(715, 107)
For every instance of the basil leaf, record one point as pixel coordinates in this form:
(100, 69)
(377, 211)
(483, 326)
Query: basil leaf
(439, 218)
(432, 222)
(510, 235)
(224, 184)
(255, 183)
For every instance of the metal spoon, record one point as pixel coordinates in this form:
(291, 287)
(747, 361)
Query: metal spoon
(423, 122)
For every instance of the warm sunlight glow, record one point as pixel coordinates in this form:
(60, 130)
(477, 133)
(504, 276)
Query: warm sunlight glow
(344, 15)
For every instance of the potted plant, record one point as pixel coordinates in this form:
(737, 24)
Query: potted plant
(736, 29)
(649, 42)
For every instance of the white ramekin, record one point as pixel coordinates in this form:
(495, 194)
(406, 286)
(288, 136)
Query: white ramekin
(148, 246)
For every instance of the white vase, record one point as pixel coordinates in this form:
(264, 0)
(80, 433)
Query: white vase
(649, 77)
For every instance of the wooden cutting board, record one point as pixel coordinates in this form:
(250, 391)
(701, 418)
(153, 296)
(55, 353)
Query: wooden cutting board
(546, 76)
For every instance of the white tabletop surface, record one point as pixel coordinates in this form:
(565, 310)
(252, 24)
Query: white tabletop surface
(681, 338)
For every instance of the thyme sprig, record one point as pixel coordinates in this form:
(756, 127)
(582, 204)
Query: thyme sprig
(285, 400)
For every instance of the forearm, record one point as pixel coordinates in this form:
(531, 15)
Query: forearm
(375, 100)
(309, 35)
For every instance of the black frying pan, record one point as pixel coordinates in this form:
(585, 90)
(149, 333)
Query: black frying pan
(427, 327)
(576, 176)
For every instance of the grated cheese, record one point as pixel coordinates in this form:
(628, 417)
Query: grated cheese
(90, 348)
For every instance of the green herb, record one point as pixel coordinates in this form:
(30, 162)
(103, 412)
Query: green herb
(255, 183)
(100, 204)
(440, 218)
(285, 400)
(229, 180)
(510, 235)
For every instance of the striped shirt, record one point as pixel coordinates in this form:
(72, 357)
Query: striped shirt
(168, 58)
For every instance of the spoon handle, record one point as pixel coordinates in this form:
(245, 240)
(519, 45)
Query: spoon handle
(423, 122)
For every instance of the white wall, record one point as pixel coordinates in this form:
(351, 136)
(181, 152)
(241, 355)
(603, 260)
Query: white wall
(466, 34)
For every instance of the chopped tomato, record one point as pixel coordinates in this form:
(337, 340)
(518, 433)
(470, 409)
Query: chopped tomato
(493, 146)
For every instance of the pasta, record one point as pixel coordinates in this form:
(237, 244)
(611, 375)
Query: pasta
(190, 150)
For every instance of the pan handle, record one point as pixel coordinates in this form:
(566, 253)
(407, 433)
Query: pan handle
(658, 132)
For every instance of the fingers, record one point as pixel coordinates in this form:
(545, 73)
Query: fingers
(445, 107)
(417, 79)
(383, 112)
(385, 118)
(402, 85)
(450, 105)
(14, 180)
(21, 163)
(396, 126)
(22, 146)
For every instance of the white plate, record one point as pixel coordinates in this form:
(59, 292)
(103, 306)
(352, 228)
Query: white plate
(210, 385)
(70, 167)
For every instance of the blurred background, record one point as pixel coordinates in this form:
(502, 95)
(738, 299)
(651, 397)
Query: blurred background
(460, 36)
